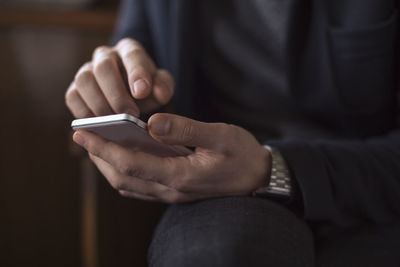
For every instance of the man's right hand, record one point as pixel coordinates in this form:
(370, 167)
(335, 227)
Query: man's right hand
(119, 79)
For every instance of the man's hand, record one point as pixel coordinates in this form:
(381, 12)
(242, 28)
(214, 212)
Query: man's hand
(228, 160)
(114, 78)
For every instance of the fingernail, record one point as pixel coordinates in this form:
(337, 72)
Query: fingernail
(161, 126)
(78, 139)
(140, 86)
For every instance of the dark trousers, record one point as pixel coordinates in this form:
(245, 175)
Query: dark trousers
(246, 231)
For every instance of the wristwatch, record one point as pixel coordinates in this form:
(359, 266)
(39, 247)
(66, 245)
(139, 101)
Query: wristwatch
(279, 186)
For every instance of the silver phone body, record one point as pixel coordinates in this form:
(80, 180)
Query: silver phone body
(129, 132)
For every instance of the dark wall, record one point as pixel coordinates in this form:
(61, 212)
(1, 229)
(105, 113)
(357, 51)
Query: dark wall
(41, 179)
(39, 186)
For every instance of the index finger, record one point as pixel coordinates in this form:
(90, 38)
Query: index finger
(139, 67)
(108, 76)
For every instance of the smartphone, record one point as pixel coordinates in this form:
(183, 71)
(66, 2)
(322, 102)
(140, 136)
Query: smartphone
(129, 132)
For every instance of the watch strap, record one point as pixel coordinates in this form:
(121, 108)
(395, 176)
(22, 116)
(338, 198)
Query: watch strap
(280, 182)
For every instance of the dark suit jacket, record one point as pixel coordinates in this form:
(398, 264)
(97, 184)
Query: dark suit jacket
(343, 67)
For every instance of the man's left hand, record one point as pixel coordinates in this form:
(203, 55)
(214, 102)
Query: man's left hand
(227, 161)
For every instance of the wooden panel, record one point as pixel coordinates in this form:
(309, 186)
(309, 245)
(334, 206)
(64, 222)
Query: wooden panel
(90, 20)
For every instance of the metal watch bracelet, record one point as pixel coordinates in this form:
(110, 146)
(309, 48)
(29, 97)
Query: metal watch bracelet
(280, 182)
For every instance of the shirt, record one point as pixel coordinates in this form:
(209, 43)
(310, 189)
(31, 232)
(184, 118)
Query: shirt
(243, 53)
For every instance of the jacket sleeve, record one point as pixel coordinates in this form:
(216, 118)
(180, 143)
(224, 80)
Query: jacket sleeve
(132, 22)
(347, 182)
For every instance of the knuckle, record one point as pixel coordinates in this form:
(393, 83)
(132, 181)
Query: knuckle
(112, 54)
(118, 183)
(124, 42)
(225, 129)
(101, 50)
(229, 134)
(172, 172)
(188, 132)
(129, 170)
(104, 66)
(84, 77)
(235, 132)
(70, 95)
(178, 184)
(87, 65)
(124, 169)
(84, 67)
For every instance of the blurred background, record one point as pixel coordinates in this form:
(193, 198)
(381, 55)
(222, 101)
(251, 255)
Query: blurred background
(55, 209)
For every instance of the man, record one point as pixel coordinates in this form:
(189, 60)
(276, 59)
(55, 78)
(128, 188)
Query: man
(313, 82)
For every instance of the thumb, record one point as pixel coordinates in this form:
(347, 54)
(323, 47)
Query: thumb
(178, 130)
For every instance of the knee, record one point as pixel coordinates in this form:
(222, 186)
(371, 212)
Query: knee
(235, 231)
